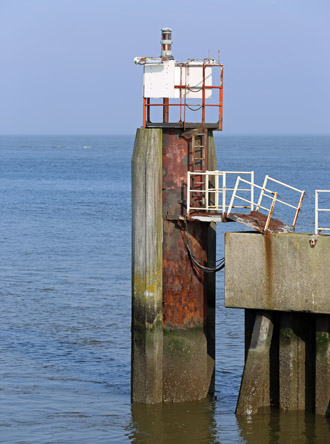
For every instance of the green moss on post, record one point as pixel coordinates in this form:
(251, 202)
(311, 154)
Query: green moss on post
(185, 365)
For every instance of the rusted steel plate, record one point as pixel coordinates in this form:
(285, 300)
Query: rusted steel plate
(184, 287)
(257, 221)
(254, 220)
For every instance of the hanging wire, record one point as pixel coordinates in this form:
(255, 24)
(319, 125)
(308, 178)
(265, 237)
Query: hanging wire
(220, 263)
(307, 218)
(324, 201)
(307, 196)
(192, 109)
(194, 89)
(289, 201)
(313, 198)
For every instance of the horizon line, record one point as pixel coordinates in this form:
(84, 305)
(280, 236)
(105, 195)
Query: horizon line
(133, 134)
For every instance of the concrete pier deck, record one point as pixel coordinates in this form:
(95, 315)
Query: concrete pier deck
(283, 283)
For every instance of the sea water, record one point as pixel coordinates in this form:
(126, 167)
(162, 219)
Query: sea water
(65, 295)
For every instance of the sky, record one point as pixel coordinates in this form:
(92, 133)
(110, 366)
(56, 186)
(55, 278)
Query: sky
(67, 65)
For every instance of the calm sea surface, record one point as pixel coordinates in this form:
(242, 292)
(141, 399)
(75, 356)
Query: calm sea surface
(65, 296)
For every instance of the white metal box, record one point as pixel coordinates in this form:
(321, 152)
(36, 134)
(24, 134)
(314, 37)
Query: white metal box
(158, 80)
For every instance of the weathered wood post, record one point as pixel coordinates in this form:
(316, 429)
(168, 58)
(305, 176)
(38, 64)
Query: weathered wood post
(147, 235)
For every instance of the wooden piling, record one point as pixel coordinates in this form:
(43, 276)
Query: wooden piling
(147, 234)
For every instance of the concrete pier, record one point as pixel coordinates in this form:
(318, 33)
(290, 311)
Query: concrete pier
(283, 283)
(296, 357)
(173, 303)
(255, 386)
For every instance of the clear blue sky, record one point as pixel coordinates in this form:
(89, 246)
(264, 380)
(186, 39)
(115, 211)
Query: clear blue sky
(67, 65)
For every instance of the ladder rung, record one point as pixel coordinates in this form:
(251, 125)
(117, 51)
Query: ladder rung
(199, 146)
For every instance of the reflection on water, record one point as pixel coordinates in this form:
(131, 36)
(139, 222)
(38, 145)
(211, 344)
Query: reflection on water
(285, 427)
(203, 422)
(174, 423)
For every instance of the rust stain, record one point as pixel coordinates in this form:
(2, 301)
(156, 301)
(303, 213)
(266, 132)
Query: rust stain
(268, 270)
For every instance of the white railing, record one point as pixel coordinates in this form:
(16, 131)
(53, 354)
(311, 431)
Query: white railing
(213, 194)
(319, 210)
(218, 191)
(265, 192)
(297, 208)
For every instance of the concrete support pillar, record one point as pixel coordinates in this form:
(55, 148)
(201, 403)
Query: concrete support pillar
(296, 361)
(255, 386)
(249, 319)
(147, 234)
(322, 365)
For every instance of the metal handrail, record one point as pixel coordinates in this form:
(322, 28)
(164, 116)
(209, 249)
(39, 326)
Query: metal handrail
(220, 203)
(297, 208)
(269, 210)
(318, 229)
(273, 196)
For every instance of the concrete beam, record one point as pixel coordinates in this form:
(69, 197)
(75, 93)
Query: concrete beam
(277, 272)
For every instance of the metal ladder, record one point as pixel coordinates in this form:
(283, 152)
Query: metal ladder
(199, 163)
(199, 151)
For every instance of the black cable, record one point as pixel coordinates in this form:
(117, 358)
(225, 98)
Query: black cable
(220, 262)
(192, 109)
